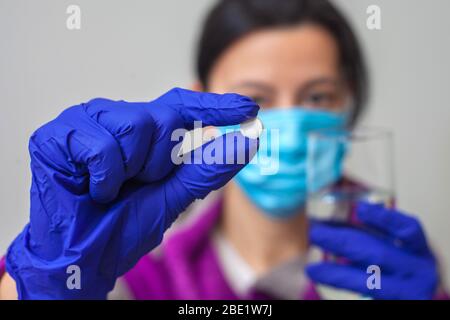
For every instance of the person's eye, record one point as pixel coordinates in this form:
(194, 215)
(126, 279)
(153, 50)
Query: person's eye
(321, 99)
(260, 100)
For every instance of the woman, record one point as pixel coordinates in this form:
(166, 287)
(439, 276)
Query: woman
(283, 54)
(300, 61)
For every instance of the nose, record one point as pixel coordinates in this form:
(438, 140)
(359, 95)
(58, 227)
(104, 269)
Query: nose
(285, 100)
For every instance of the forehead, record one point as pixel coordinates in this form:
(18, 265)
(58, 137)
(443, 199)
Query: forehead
(288, 54)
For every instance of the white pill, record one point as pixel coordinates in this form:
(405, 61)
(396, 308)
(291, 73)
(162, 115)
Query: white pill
(252, 128)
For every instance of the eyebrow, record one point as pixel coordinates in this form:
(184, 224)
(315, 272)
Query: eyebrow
(318, 81)
(254, 85)
(268, 88)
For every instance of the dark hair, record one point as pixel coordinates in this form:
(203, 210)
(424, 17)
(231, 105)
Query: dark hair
(229, 20)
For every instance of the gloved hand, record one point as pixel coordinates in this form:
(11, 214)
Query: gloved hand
(389, 239)
(105, 189)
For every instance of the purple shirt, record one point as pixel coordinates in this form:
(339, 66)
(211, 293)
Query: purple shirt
(186, 267)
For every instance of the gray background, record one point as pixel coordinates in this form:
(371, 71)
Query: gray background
(137, 50)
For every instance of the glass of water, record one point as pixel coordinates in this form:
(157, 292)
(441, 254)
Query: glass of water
(343, 168)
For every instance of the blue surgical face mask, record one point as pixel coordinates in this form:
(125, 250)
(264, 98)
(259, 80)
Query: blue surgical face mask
(276, 179)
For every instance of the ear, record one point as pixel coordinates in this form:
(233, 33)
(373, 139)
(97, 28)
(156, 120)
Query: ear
(197, 86)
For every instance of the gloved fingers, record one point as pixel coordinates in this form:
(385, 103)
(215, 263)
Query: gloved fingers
(208, 168)
(357, 280)
(104, 161)
(131, 126)
(362, 248)
(147, 136)
(168, 134)
(210, 108)
(182, 109)
(79, 151)
(397, 225)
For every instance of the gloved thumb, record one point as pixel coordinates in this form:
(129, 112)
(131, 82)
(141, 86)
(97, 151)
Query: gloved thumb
(208, 168)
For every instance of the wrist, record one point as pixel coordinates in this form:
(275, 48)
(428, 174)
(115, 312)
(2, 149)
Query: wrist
(37, 278)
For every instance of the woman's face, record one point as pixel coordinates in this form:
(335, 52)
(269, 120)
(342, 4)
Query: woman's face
(283, 67)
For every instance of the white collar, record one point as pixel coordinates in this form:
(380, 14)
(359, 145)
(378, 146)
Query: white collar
(240, 276)
(286, 281)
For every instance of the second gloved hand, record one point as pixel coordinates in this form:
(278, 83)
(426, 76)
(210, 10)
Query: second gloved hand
(391, 240)
(105, 187)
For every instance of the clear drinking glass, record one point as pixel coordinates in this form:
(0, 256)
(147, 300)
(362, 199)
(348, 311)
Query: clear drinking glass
(344, 167)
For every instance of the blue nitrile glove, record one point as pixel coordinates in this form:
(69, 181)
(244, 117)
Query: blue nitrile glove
(85, 208)
(391, 240)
